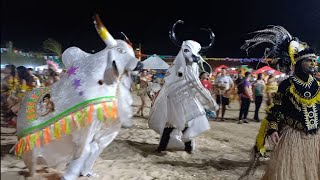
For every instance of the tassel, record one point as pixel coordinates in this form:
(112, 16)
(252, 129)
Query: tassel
(32, 140)
(105, 110)
(83, 117)
(21, 146)
(38, 142)
(57, 130)
(114, 109)
(90, 113)
(78, 118)
(75, 122)
(63, 125)
(27, 147)
(67, 120)
(100, 113)
(52, 137)
(46, 135)
(72, 118)
(18, 146)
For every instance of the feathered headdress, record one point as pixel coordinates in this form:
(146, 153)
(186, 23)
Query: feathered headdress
(52, 65)
(286, 49)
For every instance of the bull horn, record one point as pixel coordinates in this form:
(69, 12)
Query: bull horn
(172, 34)
(103, 32)
(126, 38)
(212, 37)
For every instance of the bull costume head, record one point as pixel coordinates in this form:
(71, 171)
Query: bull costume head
(191, 49)
(88, 106)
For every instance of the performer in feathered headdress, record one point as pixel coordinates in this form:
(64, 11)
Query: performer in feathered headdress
(293, 119)
(52, 73)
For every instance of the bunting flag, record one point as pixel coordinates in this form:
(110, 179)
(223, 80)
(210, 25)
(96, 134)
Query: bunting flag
(241, 60)
(139, 55)
(45, 56)
(106, 112)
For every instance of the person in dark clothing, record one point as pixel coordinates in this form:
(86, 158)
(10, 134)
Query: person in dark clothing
(246, 98)
(259, 87)
(238, 83)
(165, 140)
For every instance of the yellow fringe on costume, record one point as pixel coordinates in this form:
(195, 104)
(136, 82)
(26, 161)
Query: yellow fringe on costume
(296, 157)
(77, 120)
(304, 101)
(261, 137)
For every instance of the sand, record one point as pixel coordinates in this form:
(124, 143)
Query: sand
(222, 153)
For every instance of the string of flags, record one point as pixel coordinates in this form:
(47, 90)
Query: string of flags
(31, 54)
(56, 58)
(242, 60)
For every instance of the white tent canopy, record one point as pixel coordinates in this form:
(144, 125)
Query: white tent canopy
(41, 68)
(154, 62)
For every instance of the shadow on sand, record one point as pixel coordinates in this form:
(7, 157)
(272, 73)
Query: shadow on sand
(144, 149)
(5, 149)
(219, 164)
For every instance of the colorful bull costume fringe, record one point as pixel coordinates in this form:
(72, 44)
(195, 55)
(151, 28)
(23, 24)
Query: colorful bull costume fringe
(295, 110)
(179, 109)
(77, 117)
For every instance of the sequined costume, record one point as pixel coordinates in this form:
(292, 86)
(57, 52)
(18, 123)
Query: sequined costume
(68, 124)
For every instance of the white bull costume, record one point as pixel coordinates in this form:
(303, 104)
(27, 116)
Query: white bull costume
(88, 107)
(179, 107)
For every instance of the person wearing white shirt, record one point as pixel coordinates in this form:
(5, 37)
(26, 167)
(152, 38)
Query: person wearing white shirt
(224, 84)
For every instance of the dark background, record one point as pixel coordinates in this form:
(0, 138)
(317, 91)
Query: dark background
(28, 23)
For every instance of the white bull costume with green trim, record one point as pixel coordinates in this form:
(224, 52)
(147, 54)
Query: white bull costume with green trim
(87, 108)
(182, 99)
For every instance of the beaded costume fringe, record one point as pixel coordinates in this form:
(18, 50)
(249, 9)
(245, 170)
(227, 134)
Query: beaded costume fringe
(304, 101)
(76, 120)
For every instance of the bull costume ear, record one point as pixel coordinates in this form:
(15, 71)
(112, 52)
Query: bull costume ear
(111, 74)
(103, 32)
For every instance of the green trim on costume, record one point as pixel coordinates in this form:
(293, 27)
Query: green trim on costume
(63, 114)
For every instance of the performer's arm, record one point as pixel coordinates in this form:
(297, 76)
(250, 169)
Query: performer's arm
(275, 115)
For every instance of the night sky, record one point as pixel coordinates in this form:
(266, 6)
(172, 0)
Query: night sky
(28, 23)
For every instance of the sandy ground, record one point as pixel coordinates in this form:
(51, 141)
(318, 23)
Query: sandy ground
(222, 153)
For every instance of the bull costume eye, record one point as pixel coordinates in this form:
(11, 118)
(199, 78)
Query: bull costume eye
(100, 82)
(120, 50)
